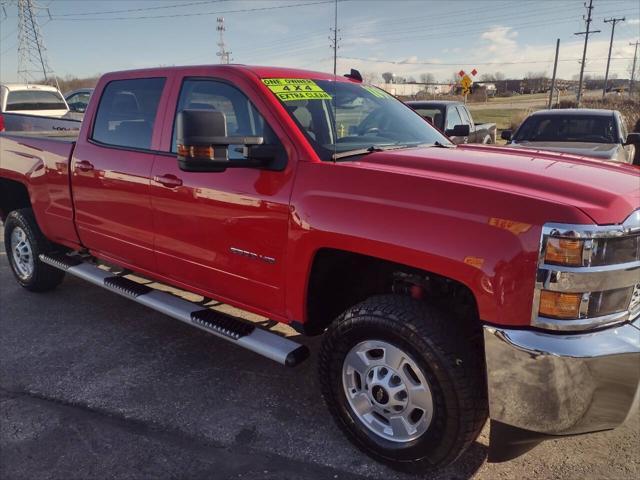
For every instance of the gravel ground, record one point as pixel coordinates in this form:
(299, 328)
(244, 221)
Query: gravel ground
(95, 386)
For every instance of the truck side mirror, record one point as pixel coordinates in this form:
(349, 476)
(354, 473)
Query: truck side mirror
(506, 135)
(203, 144)
(633, 139)
(458, 131)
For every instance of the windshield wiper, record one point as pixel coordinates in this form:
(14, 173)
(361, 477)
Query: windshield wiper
(365, 151)
(442, 145)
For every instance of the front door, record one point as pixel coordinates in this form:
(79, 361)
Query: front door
(223, 234)
(111, 173)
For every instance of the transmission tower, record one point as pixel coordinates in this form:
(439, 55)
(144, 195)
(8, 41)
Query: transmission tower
(32, 54)
(223, 53)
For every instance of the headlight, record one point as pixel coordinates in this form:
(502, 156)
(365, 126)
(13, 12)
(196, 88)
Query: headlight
(588, 276)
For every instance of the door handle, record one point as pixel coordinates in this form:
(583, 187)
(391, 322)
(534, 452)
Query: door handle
(84, 166)
(168, 180)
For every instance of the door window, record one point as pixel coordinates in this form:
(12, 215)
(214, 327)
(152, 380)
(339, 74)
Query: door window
(453, 118)
(243, 119)
(127, 112)
(464, 115)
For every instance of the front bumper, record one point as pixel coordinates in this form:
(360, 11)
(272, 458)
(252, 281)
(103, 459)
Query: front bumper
(544, 384)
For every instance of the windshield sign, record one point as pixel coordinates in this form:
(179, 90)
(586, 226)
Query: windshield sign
(340, 117)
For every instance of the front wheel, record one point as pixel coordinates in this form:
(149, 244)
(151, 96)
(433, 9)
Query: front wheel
(402, 383)
(24, 242)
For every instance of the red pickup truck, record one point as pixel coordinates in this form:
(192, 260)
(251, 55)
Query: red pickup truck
(451, 283)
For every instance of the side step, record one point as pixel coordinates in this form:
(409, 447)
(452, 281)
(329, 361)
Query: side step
(227, 327)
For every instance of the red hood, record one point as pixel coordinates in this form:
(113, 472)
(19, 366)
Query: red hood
(607, 192)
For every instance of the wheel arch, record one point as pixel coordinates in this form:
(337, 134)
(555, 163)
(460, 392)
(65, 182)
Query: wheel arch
(338, 279)
(13, 196)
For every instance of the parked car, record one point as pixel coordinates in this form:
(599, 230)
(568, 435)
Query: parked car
(78, 101)
(40, 100)
(455, 120)
(450, 282)
(580, 131)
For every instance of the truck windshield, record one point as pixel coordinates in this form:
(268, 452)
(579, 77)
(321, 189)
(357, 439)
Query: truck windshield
(34, 100)
(340, 117)
(567, 128)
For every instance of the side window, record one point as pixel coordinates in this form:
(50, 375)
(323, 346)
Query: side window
(127, 112)
(453, 118)
(623, 128)
(464, 115)
(243, 119)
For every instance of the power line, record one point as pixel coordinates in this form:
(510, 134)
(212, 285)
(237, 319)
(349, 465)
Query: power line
(584, 51)
(128, 10)
(199, 14)
(464, 63)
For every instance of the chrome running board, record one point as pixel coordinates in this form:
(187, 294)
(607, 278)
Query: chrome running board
(240, 332)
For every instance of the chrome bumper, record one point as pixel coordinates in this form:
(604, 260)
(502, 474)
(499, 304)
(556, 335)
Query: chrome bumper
(549, 384)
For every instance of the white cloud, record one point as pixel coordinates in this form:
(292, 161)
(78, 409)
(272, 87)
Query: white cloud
(634, 21)
(500, 38)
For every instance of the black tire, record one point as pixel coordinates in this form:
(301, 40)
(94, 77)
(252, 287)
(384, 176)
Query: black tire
(452, 364)
(43, 277)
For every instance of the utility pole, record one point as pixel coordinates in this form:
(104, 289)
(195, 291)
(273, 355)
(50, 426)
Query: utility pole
(334, 39)
(223, 53)
(555, 69)
(586, 33)
(613, 22)
(633, 69)
(32, 54)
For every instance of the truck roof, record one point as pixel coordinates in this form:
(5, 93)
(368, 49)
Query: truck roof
(576, 112)
(259, 71)
(12, 87)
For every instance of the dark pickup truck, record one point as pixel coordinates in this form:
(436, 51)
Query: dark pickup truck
(455, 120)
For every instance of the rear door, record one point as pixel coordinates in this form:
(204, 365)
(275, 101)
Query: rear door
(111, 172)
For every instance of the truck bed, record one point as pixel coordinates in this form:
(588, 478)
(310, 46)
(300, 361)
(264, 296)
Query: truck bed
(42, 160)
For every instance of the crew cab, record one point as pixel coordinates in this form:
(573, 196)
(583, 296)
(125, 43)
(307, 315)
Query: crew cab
(594, 133)
(451, 283)
(455, 120)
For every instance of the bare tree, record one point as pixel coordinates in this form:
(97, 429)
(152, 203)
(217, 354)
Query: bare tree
(388, 77)
(411, 79)
(427, 78)
(498, 76)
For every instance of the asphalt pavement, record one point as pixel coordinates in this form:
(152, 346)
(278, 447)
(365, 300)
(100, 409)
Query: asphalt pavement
(94, 386)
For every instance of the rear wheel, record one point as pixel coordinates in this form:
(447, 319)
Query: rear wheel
(401, 381)
(24, 242)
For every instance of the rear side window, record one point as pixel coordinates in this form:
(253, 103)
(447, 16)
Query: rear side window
(127, 112)
(34, 100)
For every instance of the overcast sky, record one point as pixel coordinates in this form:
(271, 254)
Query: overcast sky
(421, 36)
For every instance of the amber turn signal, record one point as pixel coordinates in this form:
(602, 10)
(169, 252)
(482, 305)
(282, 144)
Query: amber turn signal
(191, 151)
(559, 305)
(564, 251)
